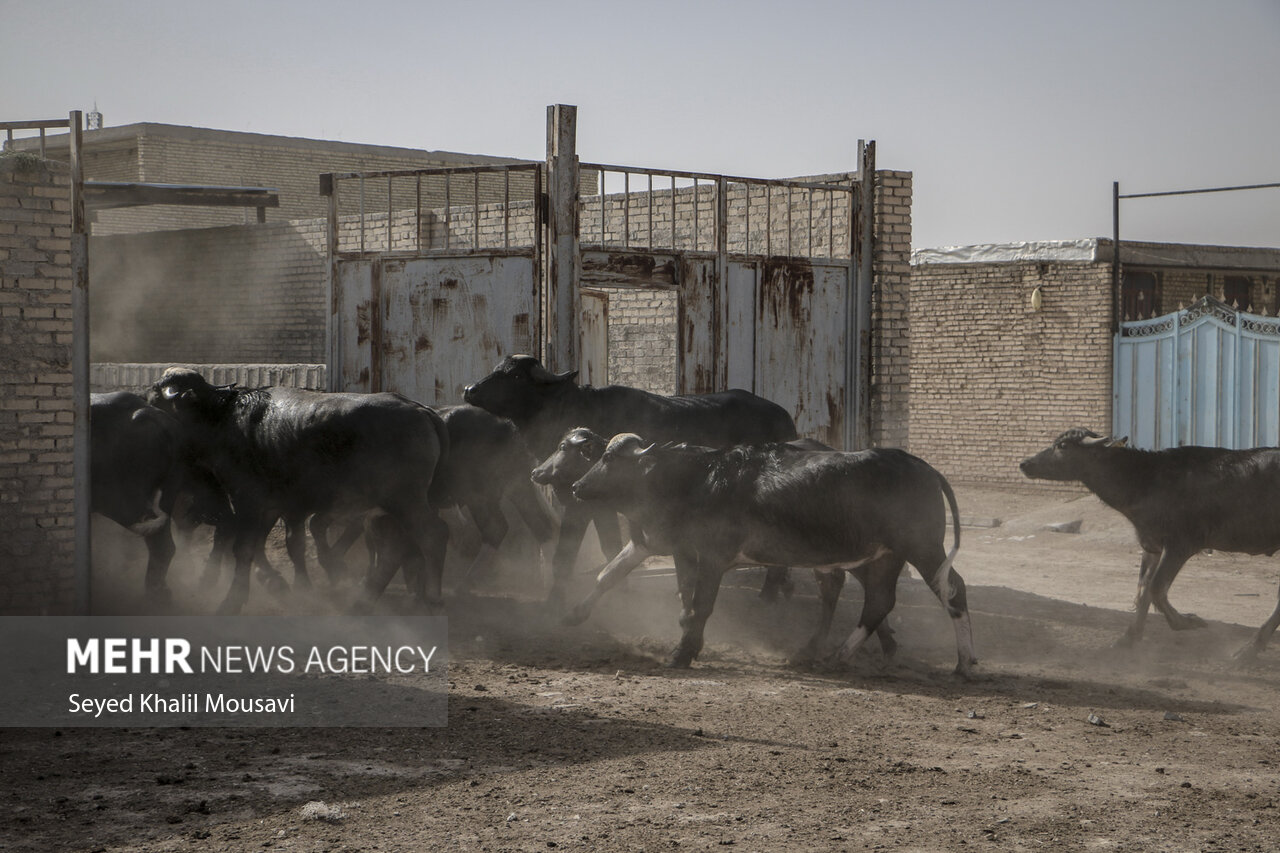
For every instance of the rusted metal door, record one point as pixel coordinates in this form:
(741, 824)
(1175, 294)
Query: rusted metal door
(768, 275)
(801, 342)
(427, 298)
(593, 346)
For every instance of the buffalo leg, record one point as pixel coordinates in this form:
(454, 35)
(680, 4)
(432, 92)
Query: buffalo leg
(699, 586)
(332, 558)
(880, 587)
(614, 572)
(1259, 641)
(572, 528)
(777, 580)
(830, 583)
(160, 552)
(1160, 583)
(493, 526)
(608, 531)
(1167, 565)
(430, 535)
(223, 540)
(251, 538)
(951, 591)
(295, 543)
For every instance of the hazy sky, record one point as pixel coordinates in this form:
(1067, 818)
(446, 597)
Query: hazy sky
(1015, 116)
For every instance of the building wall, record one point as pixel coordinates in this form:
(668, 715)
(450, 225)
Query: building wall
(37, 531)
(993, 380)
(252, 293)
(1181, 287)
(173, 154)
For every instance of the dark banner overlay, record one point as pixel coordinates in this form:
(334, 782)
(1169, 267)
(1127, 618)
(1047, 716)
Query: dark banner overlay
(202, 670)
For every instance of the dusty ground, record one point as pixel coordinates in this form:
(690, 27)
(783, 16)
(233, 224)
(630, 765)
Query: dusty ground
(577, 738)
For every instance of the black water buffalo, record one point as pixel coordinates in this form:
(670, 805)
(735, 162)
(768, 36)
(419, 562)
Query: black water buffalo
(578, 451)
(284, 452)
(135, 474)
(1180, 501)
(488, 463)
(868, 512)
(545, 405)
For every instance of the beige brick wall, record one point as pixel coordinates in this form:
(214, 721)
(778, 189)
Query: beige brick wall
(37, 531)
(642, 338)
(992, 380)
(891, 330)
(249, 293)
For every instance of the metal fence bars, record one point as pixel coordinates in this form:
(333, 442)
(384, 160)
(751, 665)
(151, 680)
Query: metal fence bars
(1207, 375)
(434, 275)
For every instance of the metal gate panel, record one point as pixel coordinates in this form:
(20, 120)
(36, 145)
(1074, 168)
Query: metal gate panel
(593, 343)
(801, 338)
(352, 326)
(1208, 376)
(740, 325)
(448, 320)
(699, 369)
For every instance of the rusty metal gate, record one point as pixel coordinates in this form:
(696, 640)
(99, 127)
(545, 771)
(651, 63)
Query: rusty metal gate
(436, 281)
(772, 280)
(445, 274)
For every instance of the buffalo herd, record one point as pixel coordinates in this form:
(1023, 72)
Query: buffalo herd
(715, 481)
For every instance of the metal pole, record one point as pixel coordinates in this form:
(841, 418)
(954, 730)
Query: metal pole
(333, 345)
(1115, 294)
(81, 464)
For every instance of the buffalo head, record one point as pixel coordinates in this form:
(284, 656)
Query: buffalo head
(183, 392)
(518, 388)
(1069, 455)
(579, 449)
(616, 477)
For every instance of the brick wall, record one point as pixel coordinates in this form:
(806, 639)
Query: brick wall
(642, 338)
(37, 532)
(891, 327)
(252, 293)
(992, 379)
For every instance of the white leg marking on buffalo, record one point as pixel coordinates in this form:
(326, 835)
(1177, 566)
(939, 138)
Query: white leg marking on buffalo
(151, 525)
(853, 643)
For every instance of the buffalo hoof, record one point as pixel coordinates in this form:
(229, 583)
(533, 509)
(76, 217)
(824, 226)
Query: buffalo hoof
(771, 591)
(1246, 655)
(1187, 622)
(576, 616)
(231, 605)
(1126, 641)
(680, 659)
(159, 598)
(805, 658)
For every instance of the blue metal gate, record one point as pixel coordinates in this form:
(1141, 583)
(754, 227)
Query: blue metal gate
(1207, 375)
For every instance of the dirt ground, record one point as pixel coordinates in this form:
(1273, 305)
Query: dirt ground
(578, 739)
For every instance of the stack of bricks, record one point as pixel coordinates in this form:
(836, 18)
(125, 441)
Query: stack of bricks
(37, 531)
